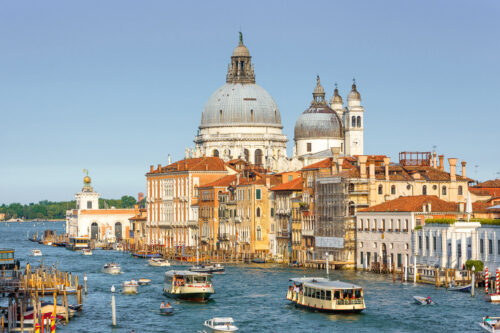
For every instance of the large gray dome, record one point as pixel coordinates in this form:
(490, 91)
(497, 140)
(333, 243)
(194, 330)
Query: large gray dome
(318, 122)
(237, 104)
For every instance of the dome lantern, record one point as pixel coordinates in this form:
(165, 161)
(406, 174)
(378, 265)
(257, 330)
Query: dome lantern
(240, 70)
(354, 98)
(318, 93)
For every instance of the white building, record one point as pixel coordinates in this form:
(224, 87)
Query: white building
(87, 220)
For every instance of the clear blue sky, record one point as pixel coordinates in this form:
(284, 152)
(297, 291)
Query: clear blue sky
(114, 86)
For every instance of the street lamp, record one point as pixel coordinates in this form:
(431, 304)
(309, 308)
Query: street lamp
(473, 281)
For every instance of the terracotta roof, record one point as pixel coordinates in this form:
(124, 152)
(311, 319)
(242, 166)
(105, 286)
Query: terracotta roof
(489, 183)
(414, 204)
(193, 164)
(479, 191)
(108, 211)
(327, 163)
(294, 185)
(221, 182)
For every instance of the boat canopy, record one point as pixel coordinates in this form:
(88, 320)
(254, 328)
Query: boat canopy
(223, 320)
(184, 273)
(322, 283)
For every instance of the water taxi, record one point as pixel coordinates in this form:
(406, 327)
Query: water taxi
(86, 252)
(159, 262)
(130, 287)
(111, 268)
(490, 324)
(324, 295)
(7, 260)
(78, 243)
(220, 325)
(212, 268)
(144, 281)
(36, 253)
(188, 285)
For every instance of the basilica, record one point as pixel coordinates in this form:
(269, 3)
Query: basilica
(242, 121)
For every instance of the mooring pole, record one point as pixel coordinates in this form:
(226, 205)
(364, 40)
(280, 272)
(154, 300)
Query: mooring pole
(327, 268)
(473, 284)
(113, 306)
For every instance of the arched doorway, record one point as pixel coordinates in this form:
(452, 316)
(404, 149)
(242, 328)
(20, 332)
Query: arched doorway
(94, 231)
(118, 231)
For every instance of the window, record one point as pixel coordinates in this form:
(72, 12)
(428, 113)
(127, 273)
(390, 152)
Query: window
(258, 157)
(272, 212)
(424, 190)
(434, 245)
(481, 246)
(459, 250)
(259, 233)
(251, 115)
(290, 178)
(216, 153)
(353, 121)
(246, 154)
(498, 246)
(351, 187)
(393, 189)
(257, 212)
(444, 190)
(257, 194)
(460, 190)
(89, 204)
(490, 246)
(309, 147)
(420, 242)
(427, 242)
(380, 189)
(358, 121)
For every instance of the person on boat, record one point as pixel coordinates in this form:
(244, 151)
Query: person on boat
(162, 306)
(168, 305)
(428, 300)
(452, 284)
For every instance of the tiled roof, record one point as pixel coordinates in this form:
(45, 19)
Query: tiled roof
(294, 185)
(222, 182)
(327, 163)
(479, 191)
(489, 183)
(414, 204)
(108, 211)
(194, 164)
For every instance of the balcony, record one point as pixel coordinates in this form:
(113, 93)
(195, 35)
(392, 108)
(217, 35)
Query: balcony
(282, 234)
(237, 219)
(307, 232)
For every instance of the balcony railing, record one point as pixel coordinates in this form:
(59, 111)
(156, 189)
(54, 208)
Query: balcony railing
(307, 232)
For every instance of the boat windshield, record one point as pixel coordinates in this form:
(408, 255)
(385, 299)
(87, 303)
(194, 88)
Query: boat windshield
(197, 279)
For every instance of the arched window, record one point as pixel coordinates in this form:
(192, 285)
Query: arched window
(251, 115)
(94, 230)
(380, 189)
(220, 115)
(443, 190)
(258, 157)
(257, 213)
(460, 190)
(259, 233)
(246, 154)
(352, 209)
(353, 121)
(424, 190)
(118, 231)
(351, 187)
(359, 121)
(393, 189)
(216, 153)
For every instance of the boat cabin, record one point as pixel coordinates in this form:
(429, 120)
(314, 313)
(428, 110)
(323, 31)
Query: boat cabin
(188, 285)
(182, 278)
(323, 294)
(7, 261)
(78, 243)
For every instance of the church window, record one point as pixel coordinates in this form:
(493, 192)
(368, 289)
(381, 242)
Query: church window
(251, 115)
(247, 154)
(353, 121)
(393, 189)
(258, 157)
(220, 115)
(424, 190)
(444, 190)
(257, 213)
(89, 204)
(380, 189)
(309, 147)
(359, 121)
(460, 190)
(216, 153)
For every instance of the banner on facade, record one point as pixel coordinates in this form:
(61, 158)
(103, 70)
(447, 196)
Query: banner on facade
(333, 242)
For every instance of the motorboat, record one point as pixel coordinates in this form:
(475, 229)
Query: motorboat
(464, 289)
(47, 309)
(423, 300)
(166, 309)
(36, 253)
(146, 254)
(130, 287)
(220, 325)
(192, 286)
(159, 262)
(144, 282)
(112, 268)
(211, 268)
(259, 260)
(490, 324)
(86, 252)
(320, 294)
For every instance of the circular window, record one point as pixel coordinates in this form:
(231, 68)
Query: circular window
(434, 187)
(408, 186)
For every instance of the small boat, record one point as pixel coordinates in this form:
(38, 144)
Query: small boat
(493, 298)
(490, 324)
(464, 289)
(48, 307)
(86, 252)
(159, 262)
(220, 325)
(320, 294)
(192, 286)
(130, 287)
(423, 300)
(36, 253)
(144, 282)
(166, 309)
(212, 268)
(145, 254)
(259, 260)
(112, 268)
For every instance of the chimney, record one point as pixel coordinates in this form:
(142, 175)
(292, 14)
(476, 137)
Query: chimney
(463, 168)
(159, 167)
(268, 181)
(335, 153)
(340, 164)
(434, 162)
(151, 168)
(453, 168)
(372, 170)
(387, 161)
(362, 165)
(441, 162)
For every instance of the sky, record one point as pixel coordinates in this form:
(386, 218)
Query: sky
(115, 86)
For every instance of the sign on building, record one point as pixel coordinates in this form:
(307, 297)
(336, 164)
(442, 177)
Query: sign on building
(331, 242)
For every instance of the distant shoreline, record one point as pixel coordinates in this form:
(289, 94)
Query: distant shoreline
(25, 221)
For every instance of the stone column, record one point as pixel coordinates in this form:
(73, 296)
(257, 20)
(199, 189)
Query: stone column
(453, 263)
(464, 249)
(473, 240)
(444, 245)
(486, 243)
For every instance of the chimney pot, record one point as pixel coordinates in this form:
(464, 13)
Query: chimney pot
(453, 166)
(441, 162)
(387, 161)
(151, 168)
(463, 168)
(362, 165)
(434, 162)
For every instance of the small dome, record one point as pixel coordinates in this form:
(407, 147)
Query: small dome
(353, 94)
(336, 98)
(86, 180)
(241, 51)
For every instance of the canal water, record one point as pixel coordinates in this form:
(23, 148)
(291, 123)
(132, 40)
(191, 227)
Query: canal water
(254, 295)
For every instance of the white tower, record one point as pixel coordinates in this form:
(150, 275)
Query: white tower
(353, 123)
(87, 198)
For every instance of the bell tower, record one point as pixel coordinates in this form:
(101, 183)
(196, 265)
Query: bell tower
(353, 123)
